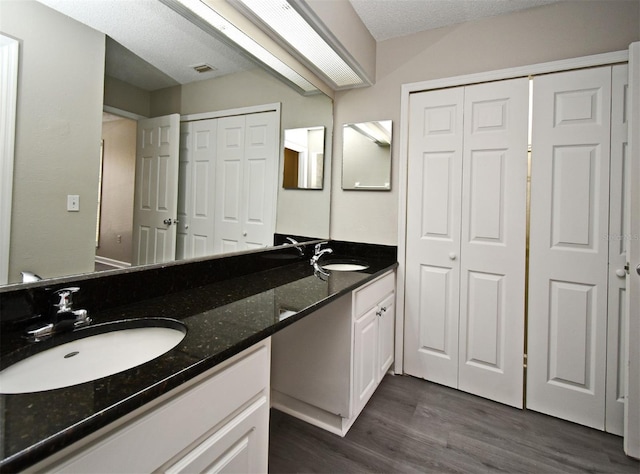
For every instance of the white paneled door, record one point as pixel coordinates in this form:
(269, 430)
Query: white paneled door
(246, 181)
(156, 190)
(196, 198)
(567, 323)
(493, 243)
(434, 196)
(618, 248)
(466, 224)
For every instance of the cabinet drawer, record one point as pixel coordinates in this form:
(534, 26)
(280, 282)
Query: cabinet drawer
(154, 437)
(367, 297)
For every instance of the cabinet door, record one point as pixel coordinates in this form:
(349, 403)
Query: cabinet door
(365, 359)
(386, 334)
(239, 446)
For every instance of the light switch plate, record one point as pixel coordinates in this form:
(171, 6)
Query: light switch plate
(73, 203)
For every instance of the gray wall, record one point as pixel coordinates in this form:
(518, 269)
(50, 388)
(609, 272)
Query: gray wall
(57, 145)
(559, 31)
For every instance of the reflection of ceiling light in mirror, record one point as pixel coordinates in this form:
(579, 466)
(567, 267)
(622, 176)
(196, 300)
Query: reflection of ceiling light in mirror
(234, 34)
(378, 132)
(291, 22)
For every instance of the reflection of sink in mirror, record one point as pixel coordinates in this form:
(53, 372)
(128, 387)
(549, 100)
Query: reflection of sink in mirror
(344, 266)
(98, 351)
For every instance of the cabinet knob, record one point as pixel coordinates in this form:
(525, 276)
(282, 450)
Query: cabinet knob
(452, 256)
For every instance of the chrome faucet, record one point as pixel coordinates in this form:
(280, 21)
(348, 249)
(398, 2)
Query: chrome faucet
(297, 245)
(63, 318)
(319, 252)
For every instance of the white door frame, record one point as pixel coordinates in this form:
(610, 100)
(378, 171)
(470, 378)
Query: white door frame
(407, 89)
(632, 405)
(9, 50)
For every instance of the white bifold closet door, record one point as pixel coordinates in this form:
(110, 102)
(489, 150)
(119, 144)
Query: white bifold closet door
(246, 181)
(567, 321)
(466, 224)
(618, 251)
(196, 190)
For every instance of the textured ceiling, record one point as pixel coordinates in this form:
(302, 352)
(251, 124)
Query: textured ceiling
(164, 40)
(153, 47)
(387, 19)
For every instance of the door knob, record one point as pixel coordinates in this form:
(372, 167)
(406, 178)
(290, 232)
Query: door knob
(167, 222)
(638, 269)
(621, 273)
(452, 256)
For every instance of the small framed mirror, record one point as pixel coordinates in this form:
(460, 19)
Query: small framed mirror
(366, 156)
(303, 158)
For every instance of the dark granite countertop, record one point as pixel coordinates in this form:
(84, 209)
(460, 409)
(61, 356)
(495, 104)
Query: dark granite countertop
(223, 318)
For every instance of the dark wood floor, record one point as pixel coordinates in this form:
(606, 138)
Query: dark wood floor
(411, 425)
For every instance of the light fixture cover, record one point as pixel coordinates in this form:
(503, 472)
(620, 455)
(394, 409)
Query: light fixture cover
(197, 10)
(287, 23)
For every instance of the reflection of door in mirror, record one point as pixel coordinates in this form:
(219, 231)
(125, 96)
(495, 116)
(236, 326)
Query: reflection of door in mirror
(303, 158)
(116, 195)
(291, 160)
(155, 209)
(228, 185)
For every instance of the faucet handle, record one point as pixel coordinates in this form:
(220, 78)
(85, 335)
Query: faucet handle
(65, 302)
(319, 246)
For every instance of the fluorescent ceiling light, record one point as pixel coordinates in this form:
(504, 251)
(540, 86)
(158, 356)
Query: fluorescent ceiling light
(285, 20)
(378, 132)
(238, 37)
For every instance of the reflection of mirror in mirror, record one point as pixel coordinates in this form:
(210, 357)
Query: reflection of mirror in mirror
(63, 88)
(303, 158)
(366, 156)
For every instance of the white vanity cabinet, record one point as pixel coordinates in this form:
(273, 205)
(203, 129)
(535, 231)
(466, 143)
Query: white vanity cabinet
(327, 365)
(218, 422)
(373, 335)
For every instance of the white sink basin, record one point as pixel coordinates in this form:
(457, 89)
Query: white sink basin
(345, 267)
(90, 357)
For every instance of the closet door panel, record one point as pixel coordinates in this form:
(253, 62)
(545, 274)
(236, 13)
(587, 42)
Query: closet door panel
(184, 178)
(433, 235)
(196, 198)
(618, 230)
(493, 240)
(260, 176)
(568, 255)
(230, 149)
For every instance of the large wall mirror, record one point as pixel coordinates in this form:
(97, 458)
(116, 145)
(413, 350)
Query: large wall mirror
(366, 156)
(303, 158)
(70, 74)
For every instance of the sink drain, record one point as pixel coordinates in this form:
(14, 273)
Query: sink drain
(71, 354)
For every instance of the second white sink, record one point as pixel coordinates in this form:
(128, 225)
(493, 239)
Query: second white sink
(91, 357)
(345, 267)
